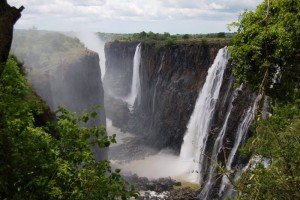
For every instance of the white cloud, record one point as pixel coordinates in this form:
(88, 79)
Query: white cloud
(91, 11)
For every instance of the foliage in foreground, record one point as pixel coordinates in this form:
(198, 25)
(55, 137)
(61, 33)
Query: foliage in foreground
(266, 47)
(265, 56)
(276, 144)
(36, 165)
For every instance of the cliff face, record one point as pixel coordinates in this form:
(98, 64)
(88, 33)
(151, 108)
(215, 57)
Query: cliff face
(69, 78)
(170, 83)
(119, 61)
(75, 85)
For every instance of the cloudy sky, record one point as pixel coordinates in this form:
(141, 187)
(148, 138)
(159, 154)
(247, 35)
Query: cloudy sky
(127, 16)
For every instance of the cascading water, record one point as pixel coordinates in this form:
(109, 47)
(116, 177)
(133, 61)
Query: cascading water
(94, 43)
(136, 85)
(239, 139)
(216, 150)
(193, 147)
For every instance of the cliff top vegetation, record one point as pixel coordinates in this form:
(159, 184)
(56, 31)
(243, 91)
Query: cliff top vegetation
(167, 37)
(47, 49)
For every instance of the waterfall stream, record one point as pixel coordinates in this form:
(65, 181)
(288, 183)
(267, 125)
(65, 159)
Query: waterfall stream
(193, 147)
(135, 86)
(239, 138)
(216, 150)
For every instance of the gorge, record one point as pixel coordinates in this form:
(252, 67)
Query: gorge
(178, 103)
(183, 115)
(206, 129)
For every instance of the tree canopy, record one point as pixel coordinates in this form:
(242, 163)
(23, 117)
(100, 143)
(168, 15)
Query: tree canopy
(52, 161)
(265, 53)
(266, 46)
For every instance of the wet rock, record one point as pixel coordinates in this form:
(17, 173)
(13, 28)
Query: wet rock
(183, 194)
(157, 185)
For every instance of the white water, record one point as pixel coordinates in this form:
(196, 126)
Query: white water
(136, 85)
(239, 138)
(216, 150)
(163, 164)
(94, 43)
(193, 147)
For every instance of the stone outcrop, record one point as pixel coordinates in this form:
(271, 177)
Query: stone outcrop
(8, 17)
(119, 61)
(70, 78)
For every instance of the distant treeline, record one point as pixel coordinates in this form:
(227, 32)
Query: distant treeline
(151, 36)
(162, 40)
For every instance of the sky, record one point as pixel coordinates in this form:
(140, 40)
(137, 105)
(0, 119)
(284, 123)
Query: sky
(129, 16)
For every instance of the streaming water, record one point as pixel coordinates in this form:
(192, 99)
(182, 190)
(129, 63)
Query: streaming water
(136, 86)
(216, 150)
(239, 138)
(193, 147)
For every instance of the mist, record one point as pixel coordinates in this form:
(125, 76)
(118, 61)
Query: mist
(163, 164)
(94, 43)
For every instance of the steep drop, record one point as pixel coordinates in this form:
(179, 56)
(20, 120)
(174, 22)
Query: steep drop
(94, 43)
(193, 147)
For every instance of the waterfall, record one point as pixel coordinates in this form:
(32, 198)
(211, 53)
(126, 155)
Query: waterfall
(136, 85)
(239, 138)
(194, 142)
(216, 150)
(94, 43)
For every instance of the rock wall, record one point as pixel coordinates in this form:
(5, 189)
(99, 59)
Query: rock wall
(119, 61)
(171, 79)
(69, 78)
(170, 82)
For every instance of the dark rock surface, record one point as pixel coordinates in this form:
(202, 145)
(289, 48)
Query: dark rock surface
(119, 64)
(8, 17)
(157, 185)
(183, 194)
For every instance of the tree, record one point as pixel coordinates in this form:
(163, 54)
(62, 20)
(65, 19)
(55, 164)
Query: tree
(267, 44)
(265, 54)
(8, 17)
(36, 165)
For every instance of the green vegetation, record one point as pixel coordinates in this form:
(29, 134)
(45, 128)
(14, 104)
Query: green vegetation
(47, 49)
(278, 140)
(157, 37)
(54, 161)
(164, 40)
(267, 39)
(265, 53)
(186, 184)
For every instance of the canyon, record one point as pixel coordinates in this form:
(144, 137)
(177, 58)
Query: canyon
(170, 81)
(155, 95)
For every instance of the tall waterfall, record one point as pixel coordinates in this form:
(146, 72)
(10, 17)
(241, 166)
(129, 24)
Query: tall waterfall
(136, 85)
(216, 150)
(94, 43)
(193, 147)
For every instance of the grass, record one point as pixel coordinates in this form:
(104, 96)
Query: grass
(184, 184)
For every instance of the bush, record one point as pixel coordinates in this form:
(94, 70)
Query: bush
(35, 165)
